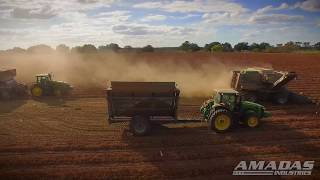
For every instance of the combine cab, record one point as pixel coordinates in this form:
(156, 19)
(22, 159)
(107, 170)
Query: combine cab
(9, 87)
(262, 84)
(45, 86)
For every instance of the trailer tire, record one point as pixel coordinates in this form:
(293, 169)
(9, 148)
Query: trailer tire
(140, 125)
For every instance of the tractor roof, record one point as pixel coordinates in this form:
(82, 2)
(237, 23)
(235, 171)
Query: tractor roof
(227, 91)
(42, 75)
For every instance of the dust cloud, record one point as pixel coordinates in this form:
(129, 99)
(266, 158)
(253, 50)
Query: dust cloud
(196, 79)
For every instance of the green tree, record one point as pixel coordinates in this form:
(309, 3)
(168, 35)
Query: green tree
(291, 46)
(41, 48)
(128, 48)
(217, 48)
(187, 46)
(317, 46)
(227, 47)
(88, 48)
(109, 47)
(62, 48)
(241, 46)
(17, 50)
(264, 45)
(147, 48)
(209, 46)
(254, 47)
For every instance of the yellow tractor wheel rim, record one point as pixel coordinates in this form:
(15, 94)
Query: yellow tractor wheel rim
(222, 122)
(36, 91)
(253, 122)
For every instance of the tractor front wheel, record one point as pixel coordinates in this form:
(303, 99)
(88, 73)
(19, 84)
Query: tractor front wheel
(252, 121)
(36, 91)
(220, 120)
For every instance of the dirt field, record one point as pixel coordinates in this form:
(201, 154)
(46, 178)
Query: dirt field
(56, 138)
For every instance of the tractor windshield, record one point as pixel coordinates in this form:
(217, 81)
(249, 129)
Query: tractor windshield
(41, 79)
(229, 100)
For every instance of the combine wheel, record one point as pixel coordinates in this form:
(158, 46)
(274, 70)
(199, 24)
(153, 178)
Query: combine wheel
(140, 125)
(282, 97)
(220, 121)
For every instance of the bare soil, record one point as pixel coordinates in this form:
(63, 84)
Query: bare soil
(70, 138)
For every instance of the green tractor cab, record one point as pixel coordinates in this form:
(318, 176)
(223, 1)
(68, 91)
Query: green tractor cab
(226, 108)
(45, 86)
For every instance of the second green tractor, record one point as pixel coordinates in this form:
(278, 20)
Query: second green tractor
(45, 86)
(226, 109)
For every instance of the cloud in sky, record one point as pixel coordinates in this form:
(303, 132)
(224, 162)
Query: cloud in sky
(276, 18)
(44, 12)
(160, 23)
(309, 5)
(156, 17)
(194, 6)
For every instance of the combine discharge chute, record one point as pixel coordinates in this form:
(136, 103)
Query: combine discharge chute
(256, 84)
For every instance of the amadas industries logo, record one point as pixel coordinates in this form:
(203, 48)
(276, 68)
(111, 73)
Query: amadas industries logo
(281, 168)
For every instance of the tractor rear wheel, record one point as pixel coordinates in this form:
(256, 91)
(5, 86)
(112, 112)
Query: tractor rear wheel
(252, 121)
(57, 92)
(36, 91)
(140, 125)
(220, 120)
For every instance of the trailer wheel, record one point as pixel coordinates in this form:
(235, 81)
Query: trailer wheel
(140, 125)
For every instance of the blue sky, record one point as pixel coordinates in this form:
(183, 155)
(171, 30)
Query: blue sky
(161, 23)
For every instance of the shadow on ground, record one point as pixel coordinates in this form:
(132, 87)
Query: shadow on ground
(9, 106)
(190, 150)
(54, 101)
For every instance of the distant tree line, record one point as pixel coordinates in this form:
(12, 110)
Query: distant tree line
(254, 47)
(185, 46)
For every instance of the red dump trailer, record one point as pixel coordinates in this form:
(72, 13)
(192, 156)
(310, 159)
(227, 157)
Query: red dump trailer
(139, 102)
(9, 87)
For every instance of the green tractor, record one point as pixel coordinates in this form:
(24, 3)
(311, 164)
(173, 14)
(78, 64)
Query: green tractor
(45, 86)
(226, 108)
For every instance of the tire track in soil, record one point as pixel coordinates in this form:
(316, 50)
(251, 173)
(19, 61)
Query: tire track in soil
(62, 146)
